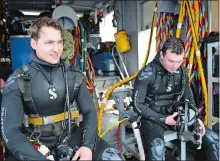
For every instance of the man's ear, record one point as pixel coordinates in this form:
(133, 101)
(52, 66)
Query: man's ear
(33, 43)
(161, 55)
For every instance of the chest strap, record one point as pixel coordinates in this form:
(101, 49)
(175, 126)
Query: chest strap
(24, 81)
(51, 119)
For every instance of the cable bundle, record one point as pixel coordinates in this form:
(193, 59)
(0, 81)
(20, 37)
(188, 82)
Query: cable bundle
(81, 59)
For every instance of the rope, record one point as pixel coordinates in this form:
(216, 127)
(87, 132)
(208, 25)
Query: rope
(164, 29)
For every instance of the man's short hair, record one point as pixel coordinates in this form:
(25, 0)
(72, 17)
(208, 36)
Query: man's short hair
(45, 14)
(43, 22)
(175, 45)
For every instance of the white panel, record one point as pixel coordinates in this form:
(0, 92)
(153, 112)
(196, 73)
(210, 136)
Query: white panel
(143, 40)
(147, 10)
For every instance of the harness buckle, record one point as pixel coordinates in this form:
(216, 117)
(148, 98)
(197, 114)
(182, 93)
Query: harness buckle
(35, 135)
(48, 120)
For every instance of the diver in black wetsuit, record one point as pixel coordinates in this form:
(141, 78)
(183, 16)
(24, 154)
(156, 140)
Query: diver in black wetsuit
(159, 89)
(35, 99)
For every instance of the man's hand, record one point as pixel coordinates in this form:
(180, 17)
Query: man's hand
(2, 83)
(83, 153)
(170, 119)
(202, 127)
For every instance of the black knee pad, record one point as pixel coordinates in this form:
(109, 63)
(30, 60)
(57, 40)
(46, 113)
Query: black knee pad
(158, 149)
(111, 154)
(210, 145)
(105, 151)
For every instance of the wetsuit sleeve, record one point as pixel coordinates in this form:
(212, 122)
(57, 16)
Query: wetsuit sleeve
(141, 86)
(188, 93)
(11, 124)
(88, 110)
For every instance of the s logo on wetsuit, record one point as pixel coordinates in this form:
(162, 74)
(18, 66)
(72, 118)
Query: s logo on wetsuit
(52, 92)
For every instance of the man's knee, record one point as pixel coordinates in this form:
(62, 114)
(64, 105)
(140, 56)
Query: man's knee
(210, 136)
(111, 154)
(158, 149)
(211, 144)
(104, 151)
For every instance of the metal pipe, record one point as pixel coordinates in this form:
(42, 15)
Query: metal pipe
(71, 4)
(26, 2)
(82, 7)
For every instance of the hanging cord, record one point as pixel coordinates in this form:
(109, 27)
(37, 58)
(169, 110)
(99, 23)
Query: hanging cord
(50, 81)
(67, 104)
(87, 66)
(77, 46)
(90, 73)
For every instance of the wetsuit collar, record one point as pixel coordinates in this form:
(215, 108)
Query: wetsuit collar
(41, 62)
(157, 59)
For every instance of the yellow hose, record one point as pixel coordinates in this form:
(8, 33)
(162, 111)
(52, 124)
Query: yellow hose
(198, 53)
(192, 52)
(103, 104)
(180, 19)
(151, 35)
(111, 126)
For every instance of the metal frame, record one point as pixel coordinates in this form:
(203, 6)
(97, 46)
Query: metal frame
(127, 141)
(211, 80)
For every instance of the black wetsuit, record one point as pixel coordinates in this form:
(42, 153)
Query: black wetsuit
(45, 103)
(155, 104)
(5, 72)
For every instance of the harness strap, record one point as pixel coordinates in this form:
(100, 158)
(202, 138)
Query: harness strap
(24, 81)
(51, 119)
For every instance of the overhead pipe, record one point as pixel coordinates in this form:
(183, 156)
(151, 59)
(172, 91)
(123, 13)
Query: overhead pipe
(82, 7)
(25, 2)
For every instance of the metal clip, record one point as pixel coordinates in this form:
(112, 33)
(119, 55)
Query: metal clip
(139, 118)
(35, 135)
(200, 142)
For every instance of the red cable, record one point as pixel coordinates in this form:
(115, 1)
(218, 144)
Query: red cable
(118, 138)
(3, 7)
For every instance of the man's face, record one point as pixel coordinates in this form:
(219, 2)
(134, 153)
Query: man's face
(171, 61)
(22, 18)
(49, 45)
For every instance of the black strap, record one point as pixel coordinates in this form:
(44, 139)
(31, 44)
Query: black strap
(156, 83)
(49, 79)
(24, 82)
(159, 73)
(183, 82)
